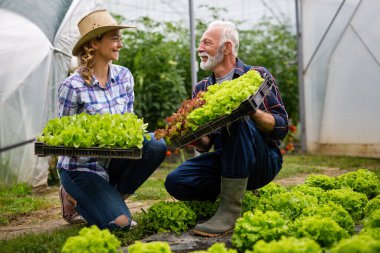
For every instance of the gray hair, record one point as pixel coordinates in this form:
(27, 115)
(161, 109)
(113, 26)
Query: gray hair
(229, 33)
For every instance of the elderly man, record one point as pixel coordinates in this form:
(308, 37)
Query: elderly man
(246, 155)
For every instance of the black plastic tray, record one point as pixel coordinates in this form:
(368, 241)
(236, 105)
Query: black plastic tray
(41, 149)
(246, 107)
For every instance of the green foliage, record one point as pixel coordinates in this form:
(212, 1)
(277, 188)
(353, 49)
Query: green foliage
(372, 205)
(271, 189)
(362, 180)
(169, 216)
(254, 226)
(335, 211)
(92, 240)
(357, 244)
(230, 94)
(202, 209)
(317, 192)
(286, 245)
(158, 58)
(17, 200)
(289, 204)
(83, 130)
(372, 220)
(321, 181)
(149, 247)
(216, 248)
(274, 46)
(353, 202)
(323, 230)
(250, 202)
(372, 232)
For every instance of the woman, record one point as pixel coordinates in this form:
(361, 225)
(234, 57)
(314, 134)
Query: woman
(97, 188)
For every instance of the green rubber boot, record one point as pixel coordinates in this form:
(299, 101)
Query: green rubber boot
(223, 221)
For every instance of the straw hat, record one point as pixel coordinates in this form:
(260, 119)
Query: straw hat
(93, 24)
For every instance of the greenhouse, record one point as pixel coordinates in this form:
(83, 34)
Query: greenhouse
(145, 126)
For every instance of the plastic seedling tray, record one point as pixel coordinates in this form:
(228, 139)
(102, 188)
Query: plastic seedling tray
(41, 149)
(246, 107)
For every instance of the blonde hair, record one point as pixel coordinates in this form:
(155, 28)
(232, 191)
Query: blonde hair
(86, 62)
(86, 59)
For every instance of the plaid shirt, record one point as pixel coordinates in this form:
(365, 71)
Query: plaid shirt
(74, 97)
(272, 103)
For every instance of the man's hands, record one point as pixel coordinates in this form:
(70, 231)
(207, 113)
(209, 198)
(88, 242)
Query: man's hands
(203, 144)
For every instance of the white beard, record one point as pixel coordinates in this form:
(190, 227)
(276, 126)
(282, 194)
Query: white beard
(212, 61)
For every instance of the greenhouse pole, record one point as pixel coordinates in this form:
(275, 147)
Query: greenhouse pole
(193, 61)
(301, 87)
(192, 45)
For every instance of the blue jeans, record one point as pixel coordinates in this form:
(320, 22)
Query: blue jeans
(99, 201)
(240, 152)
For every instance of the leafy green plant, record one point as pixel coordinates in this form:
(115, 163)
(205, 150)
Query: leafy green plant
(202, 209)
(83, 130)
(230, 94)
(167, 216)
(362, 180)
(357, 244)
(149, 247)
(289, 204)
(271, 189)
(216, 248)
(321, 181)
(254, 226)
(287, 245)
(335, 211)
(353, 202)
(317, 192)
(372, 232)
(324, 230)
(250, 202)
(372, 205)
(92, 240)
(372, 220)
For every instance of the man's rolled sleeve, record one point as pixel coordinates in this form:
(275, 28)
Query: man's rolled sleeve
(280, 127)
(273, 104)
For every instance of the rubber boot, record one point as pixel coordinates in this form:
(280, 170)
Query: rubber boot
(223, 221)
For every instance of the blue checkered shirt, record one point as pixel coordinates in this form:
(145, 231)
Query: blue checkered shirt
(74, 97)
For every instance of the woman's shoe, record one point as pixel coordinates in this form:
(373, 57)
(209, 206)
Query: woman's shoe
(69, 213)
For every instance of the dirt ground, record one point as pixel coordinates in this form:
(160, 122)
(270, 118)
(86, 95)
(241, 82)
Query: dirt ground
(50, 219)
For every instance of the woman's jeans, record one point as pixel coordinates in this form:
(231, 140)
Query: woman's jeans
(240, 152)
(98, 201)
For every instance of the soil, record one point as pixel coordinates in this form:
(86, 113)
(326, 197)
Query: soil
(50, 219)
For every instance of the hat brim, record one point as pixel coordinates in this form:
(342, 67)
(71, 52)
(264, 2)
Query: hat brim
(95, 32)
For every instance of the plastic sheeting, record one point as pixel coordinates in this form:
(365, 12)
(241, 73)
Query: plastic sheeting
(33, 65)
(341, 82)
